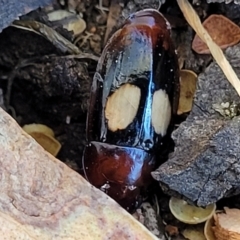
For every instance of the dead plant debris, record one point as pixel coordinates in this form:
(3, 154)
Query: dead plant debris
(47, 61)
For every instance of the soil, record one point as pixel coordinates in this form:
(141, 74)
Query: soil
(41, 84)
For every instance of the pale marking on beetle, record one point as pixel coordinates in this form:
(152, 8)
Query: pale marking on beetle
(161, 112)
(122, 107)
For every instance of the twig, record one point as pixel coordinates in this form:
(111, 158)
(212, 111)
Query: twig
(194, 21)
(60, 42)
(11, 77)
(84, 56)
(83, 38)
(101, 8)
(113, 18)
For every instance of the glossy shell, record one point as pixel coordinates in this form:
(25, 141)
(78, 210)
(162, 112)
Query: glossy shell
(133, 96)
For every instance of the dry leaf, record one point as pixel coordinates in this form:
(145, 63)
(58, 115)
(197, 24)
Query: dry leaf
(190, 214)
(227, 224)
(188, 82)
(172, 230)
(44, 136)
(50, 34)
(194, 232)
(224, 33)
(69, 21)
(208, 231)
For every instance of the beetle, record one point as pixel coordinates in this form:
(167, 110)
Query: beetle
(134, 96)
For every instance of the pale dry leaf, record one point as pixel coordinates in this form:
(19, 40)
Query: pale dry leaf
(70, 21)
(188, 81)
(194, 232)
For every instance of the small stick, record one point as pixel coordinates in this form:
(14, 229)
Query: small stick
(194, 21)
(113, 18)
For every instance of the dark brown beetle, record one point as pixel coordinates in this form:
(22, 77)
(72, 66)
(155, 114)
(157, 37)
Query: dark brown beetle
(133, 98)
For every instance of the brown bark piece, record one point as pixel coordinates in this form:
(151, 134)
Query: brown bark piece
(12, 9)
(227, 224)
(41, 198)
(205, 166)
